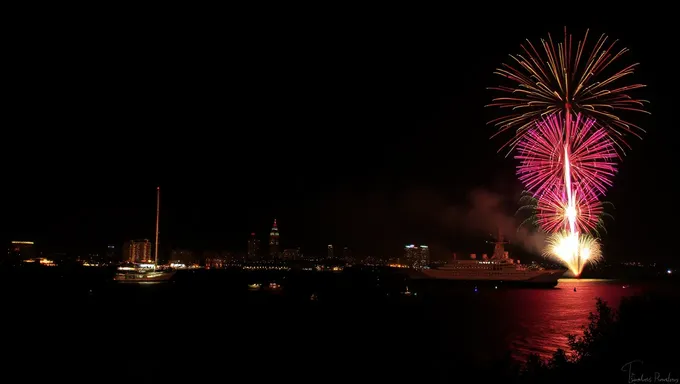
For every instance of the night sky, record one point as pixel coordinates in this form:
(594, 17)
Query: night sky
(361, 131)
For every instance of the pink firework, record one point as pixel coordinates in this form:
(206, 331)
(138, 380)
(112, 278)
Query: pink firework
(554, 213)
(541, 154)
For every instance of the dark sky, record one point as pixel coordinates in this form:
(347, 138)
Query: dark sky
(354, 130)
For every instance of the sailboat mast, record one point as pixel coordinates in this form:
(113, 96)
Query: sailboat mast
(158, 212)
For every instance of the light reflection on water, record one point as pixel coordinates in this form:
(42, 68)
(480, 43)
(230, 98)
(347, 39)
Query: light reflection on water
(482, 324)
(543, 318)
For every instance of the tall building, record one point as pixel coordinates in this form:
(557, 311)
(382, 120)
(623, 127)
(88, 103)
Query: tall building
(347, 256)
(274, 242)
(424, 255)
(111, 253)
(253, 247)
(21, 250)
(331, 256)
(137, 251)
(416, 257)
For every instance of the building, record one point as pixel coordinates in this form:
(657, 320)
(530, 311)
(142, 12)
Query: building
(274, 252)
(347, 256)
(217, 262)
(92, 259)
(137, 251)
(21, 250)
(331, 256)
(215, 259)
(416, 256)
(253, 247)
(230, 257)
(111, 253)
(292, 254)
(372, 261)
(424, 256)
(410, 254)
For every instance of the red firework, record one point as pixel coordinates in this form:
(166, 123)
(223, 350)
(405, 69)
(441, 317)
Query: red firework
(542, 156)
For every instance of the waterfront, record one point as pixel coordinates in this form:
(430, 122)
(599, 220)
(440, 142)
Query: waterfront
(200, 306)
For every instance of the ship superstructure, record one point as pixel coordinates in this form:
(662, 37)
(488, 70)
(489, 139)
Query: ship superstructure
(500, 267)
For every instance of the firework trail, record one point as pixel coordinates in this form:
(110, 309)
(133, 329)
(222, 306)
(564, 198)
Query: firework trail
(565, 105)
(567, 79)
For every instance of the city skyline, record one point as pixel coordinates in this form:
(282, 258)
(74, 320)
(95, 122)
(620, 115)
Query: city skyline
(373, 156)
(340, 193)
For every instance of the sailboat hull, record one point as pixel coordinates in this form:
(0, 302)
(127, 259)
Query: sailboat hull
(144, 277)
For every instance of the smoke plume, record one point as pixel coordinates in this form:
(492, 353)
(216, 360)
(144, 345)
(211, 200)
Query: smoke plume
(487, 212)
(381, 223)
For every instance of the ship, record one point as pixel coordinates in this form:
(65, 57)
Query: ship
(499, 270)
(141, 274)
(146, 273)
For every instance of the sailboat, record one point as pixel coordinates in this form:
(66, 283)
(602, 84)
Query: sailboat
(140, 274)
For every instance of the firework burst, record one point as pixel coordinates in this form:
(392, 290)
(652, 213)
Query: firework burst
(574, 250)
(553, 211)
(567, 104)
(565, 163)
(550, 213)
(569, 79)
(541, 154)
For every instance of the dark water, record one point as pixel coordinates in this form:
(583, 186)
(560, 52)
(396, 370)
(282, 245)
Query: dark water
(538, 320)
(211, 317)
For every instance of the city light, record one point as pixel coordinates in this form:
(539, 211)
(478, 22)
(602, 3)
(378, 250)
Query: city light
(397, 266)
(42, 261)
(416, 257)
(47, 262)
